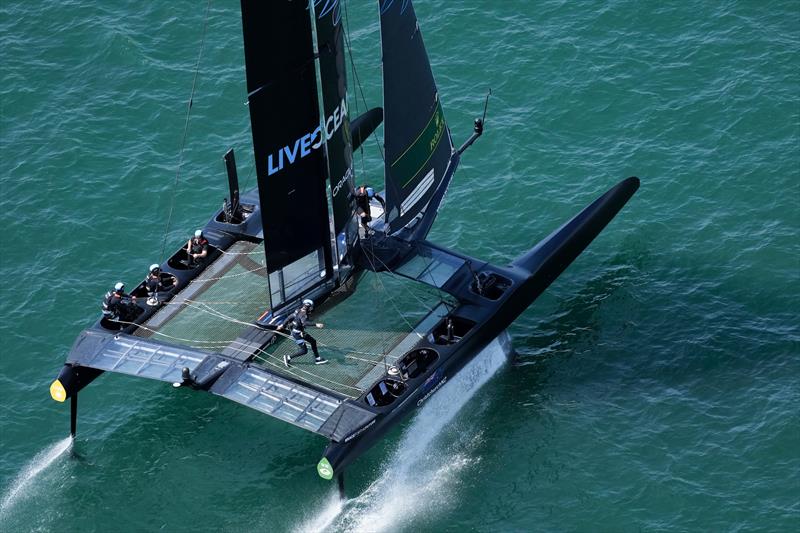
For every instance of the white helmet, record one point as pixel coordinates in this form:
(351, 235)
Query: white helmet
(198, 233)
(154, 266)
(119, 286)
(309, 302)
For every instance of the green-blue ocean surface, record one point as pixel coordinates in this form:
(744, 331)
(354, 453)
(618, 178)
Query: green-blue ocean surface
(656, 385)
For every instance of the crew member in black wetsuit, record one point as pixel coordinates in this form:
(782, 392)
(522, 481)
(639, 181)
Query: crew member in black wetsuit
(197, 249)
(119, 305)
(362, 197)
(153, 281)
(296, 323)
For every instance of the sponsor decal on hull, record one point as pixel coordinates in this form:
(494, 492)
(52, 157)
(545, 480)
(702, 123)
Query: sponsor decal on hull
(358, 432)
(433, 390)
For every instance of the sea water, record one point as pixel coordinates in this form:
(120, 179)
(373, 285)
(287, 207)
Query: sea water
(656, 382)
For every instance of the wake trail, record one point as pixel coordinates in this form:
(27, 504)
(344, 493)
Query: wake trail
(22, 483)
(418, 478)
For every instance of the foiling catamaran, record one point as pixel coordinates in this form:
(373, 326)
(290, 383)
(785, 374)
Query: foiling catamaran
(297, 236)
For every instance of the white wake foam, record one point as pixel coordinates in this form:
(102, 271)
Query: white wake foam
(418, 478)
(23, 482)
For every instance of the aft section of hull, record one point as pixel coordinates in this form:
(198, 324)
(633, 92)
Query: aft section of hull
(339, 455)
(522, 282)
(490, 318)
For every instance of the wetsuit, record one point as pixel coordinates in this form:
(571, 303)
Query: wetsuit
(362, 197)
(362, 205)
(197, 245)
(153, 283)
(118, 306)
(297, 322)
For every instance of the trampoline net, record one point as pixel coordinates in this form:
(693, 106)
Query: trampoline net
(214, 308)
(362, 334)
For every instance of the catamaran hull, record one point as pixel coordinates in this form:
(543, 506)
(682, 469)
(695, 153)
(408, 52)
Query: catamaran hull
(530, 274)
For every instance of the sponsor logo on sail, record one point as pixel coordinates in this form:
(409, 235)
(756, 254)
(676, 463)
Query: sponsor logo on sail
(343, 181)
(328, 6)
(313, 140)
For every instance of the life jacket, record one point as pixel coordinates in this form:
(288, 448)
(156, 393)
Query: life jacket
(153, 282)
(362, 200)
(111, 303)
(198, 245)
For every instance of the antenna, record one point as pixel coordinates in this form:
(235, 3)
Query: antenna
(477, 129)
(486, 105)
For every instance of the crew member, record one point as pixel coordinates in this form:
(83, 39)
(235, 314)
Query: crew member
(118, 305)
(197, 249)
(153, 281)
(362, 197)
(296, 323)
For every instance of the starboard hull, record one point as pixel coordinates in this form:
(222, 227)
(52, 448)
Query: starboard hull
(529, 275)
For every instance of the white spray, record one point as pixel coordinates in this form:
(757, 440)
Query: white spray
(21, 485)
(415, 478)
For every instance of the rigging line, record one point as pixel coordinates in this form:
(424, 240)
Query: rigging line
(290, 370)
(226, 276)
(256, 356)
(210, 302)
(439, 291)
(202, 307)
(211, 344)
(261, 351)
(384, 340)
(358, 81)
(255, 252)
(156, 332)
(247, 180)
(347, 43)
(450, 307)
(236, 343)
(353, 70)
(419, 300)
(383, 287)
(370, 361)
(185, 130)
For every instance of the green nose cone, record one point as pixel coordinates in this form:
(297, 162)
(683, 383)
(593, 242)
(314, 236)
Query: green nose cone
(324, 469)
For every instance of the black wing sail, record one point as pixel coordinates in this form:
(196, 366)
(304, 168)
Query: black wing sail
(419, 150)
(288, 140)
(339, 145)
